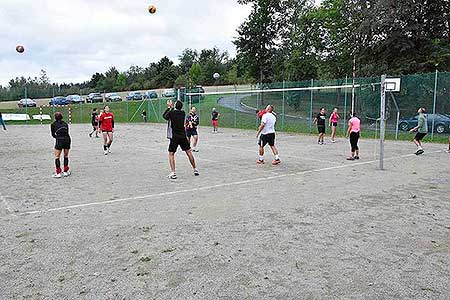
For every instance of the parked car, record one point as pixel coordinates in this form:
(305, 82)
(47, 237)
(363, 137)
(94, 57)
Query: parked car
(94, 98)
(27, 102)
(113, 97)
(134, 96)
(194, 98)
(74, 99)
(59, 100)
(441, 123)
(168, 93)
(150, 95)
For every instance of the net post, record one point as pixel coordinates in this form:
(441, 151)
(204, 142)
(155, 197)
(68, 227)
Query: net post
(344, 124)
(283, 107)
(26, 104)
(311, 108)
(235, 109)
(353, 85)
(40, 114)
(434, 104)
(382, 120)
(70, 115)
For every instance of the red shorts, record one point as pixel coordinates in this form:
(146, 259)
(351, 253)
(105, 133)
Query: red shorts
(215, 123)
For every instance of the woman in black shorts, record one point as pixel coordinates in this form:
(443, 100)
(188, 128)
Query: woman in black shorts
(94, 121)
(60, 131)
(320, 121)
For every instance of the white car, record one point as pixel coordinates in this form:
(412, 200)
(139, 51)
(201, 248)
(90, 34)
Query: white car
(168, 93)
(74, 99)
(27, 102)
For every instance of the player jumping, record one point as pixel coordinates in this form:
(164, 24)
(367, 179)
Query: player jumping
(192, 121)
(177, 135)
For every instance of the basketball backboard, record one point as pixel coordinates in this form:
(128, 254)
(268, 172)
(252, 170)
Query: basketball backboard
(392, 84)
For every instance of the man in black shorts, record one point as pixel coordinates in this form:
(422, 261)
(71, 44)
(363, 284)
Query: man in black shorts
(177, 135)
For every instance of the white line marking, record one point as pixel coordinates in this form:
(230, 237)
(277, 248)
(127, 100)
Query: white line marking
(210, 187)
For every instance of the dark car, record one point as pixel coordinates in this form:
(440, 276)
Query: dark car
(58, 100)
(94, 98)
(74, 99)
(134, 96)
(113, 97)
(26, 103)
(150, 95)
(193, 98)
(441, 123)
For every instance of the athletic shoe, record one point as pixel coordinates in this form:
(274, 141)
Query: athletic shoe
(105, 152)
(109, 150)
(276, 162)
(194, 150)
(57, 175)
(356, 157)
(419, 152)
(350, 158)
(172, 175)
(196, 173)
(97, 137)
(66, 174)
(448, 151)
(260, 162)
(90, 134)
(333, 142)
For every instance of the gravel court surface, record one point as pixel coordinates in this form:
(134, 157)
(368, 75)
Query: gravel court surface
(315, 227)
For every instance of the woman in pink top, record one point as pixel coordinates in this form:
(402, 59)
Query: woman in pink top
(333, 123)
(354, 129)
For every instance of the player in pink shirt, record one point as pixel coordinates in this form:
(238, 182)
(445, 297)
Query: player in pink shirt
(354, 131)
(333, 123)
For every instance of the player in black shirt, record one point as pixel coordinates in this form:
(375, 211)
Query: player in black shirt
(2, 122)
(320, 121)
(60, 131)
(94, 121)
(177, 135)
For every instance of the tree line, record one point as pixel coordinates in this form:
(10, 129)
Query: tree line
(290, 40)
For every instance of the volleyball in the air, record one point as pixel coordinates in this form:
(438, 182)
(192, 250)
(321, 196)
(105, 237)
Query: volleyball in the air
(20, 48)
(152, 9)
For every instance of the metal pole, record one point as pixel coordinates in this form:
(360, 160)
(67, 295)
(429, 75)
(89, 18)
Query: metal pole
(311, 108)
(283, 108)
(434, 104)
(353, 85)
(26, 105)
(344, 125)
(396, 125)
(235, 108)
(382, 120)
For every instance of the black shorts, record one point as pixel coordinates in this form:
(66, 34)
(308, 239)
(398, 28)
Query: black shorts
(94, 124)
(419, 136)
(62, 143)
(191, 132)
(334, 124)
(321, 129)
(265, 139)
(179, 141)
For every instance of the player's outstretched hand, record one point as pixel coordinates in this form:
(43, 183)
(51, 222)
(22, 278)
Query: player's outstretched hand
(169, 104)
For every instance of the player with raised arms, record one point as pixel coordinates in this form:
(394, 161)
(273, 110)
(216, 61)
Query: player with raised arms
(266, 135)
(176, 133)
(107, 125)
(60, 131)
(192, 121)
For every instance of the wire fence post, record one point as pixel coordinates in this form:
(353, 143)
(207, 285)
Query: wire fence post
(344, 125)
(434, 104)
(127, 111)
(26, 104)
(382, 120)
(283, 107)
(311, 108)
(235, 108)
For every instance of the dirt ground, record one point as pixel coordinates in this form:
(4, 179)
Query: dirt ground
(315, 227)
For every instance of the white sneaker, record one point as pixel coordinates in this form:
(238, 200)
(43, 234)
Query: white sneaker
(109, 150)
(172, 175)
(66, 174)
(57, 175)
(105, 152)
(196, 173)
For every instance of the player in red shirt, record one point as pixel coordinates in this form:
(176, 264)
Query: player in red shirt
(107, 125)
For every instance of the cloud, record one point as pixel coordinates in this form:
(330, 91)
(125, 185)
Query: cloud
(71, 40)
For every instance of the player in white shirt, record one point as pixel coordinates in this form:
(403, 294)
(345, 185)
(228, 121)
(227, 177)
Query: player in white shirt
(266, 135)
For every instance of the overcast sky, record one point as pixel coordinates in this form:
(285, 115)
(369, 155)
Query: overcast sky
(72, 39)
